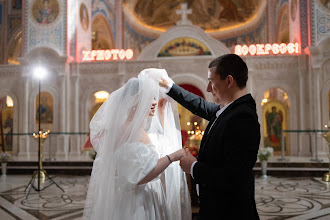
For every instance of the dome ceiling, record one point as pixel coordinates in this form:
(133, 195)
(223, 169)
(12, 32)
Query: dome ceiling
(210, 15)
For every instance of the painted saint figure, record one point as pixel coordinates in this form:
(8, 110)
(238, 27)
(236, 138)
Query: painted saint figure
(274, 127)
(84, 17)
(46, 14)
(8, 130)
(46, 114)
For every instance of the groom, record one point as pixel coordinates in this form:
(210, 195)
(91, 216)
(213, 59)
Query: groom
(228, 151)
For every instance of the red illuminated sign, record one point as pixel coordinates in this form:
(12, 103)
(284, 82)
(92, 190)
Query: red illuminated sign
(266, 49)
(101, 55)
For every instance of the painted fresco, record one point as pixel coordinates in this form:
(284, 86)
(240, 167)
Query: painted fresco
(325, 3)
(46, 110)
(102, 37)
(294, 7)
(8, 125)
(84, 17)
(15, 49)
(207, 14)
(275, 119)
(135, 41)
(103, 21)
(184, 46)
(45, 11)
(283, 27)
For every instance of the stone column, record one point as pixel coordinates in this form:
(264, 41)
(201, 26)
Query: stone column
(303, 114)
(75, 145)
(24, 140)
(62, 151)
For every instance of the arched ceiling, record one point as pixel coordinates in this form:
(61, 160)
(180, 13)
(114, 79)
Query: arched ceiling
(101, 34)
(210, 15)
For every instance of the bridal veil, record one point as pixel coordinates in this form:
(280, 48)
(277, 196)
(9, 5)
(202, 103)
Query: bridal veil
(121, 120)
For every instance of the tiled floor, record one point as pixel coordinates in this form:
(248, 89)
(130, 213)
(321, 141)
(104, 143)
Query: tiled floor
(277, 198)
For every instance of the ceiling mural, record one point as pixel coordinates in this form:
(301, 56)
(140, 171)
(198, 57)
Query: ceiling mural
(210, 15)
(102, 37)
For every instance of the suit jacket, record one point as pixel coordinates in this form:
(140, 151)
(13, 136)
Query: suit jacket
(226, 157)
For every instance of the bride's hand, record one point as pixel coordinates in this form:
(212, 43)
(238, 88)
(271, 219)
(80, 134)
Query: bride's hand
(161, 105)
(177, 155)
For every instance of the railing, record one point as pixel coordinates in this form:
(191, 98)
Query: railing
(315, 131)
(50, 136)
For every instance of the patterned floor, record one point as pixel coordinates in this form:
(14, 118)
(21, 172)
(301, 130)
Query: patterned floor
(277, 198)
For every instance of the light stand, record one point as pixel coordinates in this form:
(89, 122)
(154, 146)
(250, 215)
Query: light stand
(41, 138)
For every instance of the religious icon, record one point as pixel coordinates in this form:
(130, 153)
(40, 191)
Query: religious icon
(184, 46)
(46, 109)
(8, 130)
(45, 11)
(274, 126)
(84, 18)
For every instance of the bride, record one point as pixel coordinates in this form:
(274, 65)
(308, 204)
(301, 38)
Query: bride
(134, 148)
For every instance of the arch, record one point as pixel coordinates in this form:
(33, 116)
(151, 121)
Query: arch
(45, 87)
(84, 104)
(323, 45)
(192, 89)
(282, 29)
(275, 119)
(151, 51)
(93, 107)
(46, 109)
(102, 35)
(295, 149)
(44, 55)
(15, 44)
(5, 92)
(194, 80)
(325, 102)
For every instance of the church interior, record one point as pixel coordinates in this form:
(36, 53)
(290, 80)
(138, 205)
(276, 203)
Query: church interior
(61, 59)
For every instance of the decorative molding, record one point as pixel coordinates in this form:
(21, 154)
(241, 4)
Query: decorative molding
(98, 68)
(51, 35)
(151, 51)
(11, 71)
(320, 17)
(272, 62)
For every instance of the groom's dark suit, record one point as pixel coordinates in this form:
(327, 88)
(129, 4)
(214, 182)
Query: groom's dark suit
(226, 157)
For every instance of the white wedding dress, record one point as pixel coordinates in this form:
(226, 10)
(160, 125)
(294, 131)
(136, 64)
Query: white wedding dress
(122, 161)
(146, 201)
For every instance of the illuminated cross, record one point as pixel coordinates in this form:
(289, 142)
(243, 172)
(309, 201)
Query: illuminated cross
(184, 12)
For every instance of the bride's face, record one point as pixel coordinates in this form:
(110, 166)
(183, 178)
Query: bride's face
(153, 107)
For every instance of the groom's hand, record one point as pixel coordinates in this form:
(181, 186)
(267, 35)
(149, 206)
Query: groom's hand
(187, 161)
(165, 82)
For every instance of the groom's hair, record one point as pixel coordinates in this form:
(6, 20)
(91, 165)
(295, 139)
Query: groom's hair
(231, 64)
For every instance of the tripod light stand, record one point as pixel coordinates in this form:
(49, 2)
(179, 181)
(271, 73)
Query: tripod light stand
(41, 137)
